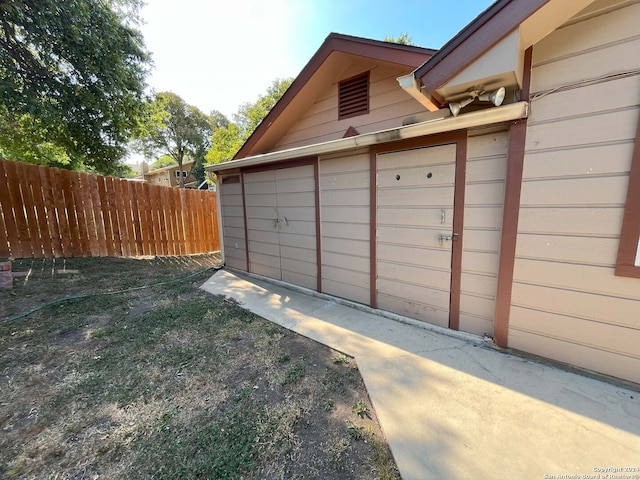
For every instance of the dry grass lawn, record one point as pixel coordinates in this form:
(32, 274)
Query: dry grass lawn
(169, 382)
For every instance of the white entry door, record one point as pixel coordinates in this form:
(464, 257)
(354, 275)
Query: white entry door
(281, 224)
(415, 192)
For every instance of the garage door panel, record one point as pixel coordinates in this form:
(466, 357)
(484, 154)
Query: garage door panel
(262, 236)
(423, 257)
(421, 237)
(415, 217)
(418, 293)
(300, 241)
(295, 253)
(307, 281)
(413, 309)
(298, 227)
(262, 200)
(305, 199)
(272, 249)
(417, 197)
(262, 224)
(428, 277)
(440, 154)
(260, 212)
(298, 266)
(266, 270)
(413, 265)
(271, 261)
(304, 171)
(281, 215)
(293, 214)
(296, 185)
(423, 176)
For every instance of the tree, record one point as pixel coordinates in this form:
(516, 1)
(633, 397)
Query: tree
(404, 39)
(72, 76)
(174, 128)
(163, 161)
(228, 140)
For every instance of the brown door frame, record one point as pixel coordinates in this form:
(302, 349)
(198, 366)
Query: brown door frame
(459, 138)
(299, 162)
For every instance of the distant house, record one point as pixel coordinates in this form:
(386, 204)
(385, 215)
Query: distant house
(491, 187)
(170, 176)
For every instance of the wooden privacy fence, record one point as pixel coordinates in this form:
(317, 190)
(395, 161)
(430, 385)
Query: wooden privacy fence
(51, 212)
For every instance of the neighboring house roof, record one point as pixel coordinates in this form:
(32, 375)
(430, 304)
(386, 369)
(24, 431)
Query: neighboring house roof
(186, 166)
(325, 67)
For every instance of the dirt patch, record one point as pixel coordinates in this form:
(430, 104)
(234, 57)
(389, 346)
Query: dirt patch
(171, 382)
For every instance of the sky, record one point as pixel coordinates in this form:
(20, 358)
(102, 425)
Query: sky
(218, 55)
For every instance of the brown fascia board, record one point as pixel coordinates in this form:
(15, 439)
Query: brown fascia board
(488, 28)
(408, 55)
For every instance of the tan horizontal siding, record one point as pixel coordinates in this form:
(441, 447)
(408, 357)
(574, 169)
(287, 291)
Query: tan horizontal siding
(567, 304)
(388, 105)
(233, 225)
(484, 195)
(344, 196)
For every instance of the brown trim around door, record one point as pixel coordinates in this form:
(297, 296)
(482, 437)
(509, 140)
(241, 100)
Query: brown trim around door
(458, 228)
(373, 227)
(630, 234)
(458, 137)
(316, 175)
(246, 227)
(510, 214)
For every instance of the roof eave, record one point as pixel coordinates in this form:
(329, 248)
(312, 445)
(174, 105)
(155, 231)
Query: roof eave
(489, 116)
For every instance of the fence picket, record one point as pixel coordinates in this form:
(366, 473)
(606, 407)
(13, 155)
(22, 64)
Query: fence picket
(50, 209)
(128, 235)
(113, 213)
(41, 214)
(155, 209)
(23, 246)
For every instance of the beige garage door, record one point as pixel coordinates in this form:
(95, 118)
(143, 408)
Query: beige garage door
(415, 191)
(281, 224)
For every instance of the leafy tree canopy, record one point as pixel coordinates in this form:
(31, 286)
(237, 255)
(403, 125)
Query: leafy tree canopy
(404, 39)
(72, 80)
(176, 129)
(228, 140)
(163, 161)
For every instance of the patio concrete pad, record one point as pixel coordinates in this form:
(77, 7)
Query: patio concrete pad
(456, 408)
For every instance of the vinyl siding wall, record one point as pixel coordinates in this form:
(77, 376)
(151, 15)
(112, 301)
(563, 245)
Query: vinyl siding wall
(484, 196)
(345, 219)
(567, 304)
(388, 105)
(233, 225)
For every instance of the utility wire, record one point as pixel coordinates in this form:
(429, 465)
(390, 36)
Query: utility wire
(99, 294)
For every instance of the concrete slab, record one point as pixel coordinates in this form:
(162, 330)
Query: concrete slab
(455, 408)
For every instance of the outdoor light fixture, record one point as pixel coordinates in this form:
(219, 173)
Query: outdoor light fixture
(496, 97)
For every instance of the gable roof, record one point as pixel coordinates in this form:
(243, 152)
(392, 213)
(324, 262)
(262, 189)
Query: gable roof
(520, 22)
(324, 68)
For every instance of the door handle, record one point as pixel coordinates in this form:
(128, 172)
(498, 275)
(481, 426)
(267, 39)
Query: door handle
(451, 236)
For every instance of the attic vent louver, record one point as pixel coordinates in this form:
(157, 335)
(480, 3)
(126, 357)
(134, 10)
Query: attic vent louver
(353, 96)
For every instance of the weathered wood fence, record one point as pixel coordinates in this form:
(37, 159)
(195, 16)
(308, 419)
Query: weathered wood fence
(51, 212)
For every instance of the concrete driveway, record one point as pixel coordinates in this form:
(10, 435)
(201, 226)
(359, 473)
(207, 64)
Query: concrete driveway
(453, 407)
